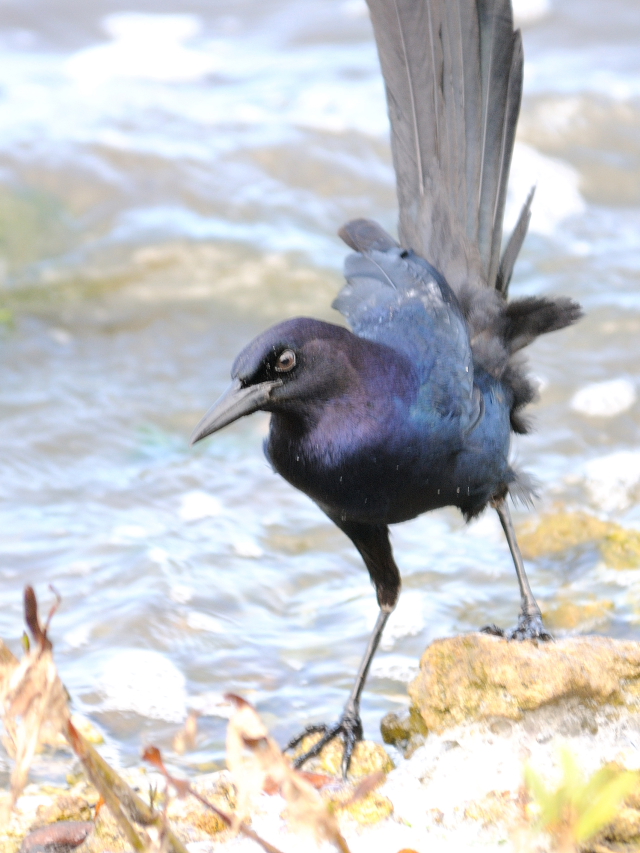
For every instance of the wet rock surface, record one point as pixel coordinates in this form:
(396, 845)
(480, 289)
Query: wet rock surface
(480, 677)
(555, 533)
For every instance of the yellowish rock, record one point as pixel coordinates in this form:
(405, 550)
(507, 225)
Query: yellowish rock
(64, 808)
(620, 548)
(477, 676)
(556, 532)
(496, 807)
(368, 757)
(401, 727)
(625, 827)
(571, 614)
(364, 810)
(205, 820)
(190, 814)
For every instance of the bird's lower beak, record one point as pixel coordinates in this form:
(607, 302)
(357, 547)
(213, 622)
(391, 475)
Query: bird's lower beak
(236, 402)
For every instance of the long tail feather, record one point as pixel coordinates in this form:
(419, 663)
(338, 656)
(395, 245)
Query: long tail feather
(453, 72)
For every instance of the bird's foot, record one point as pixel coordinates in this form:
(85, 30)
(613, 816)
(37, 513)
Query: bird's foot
(529, 627)
(349, 727)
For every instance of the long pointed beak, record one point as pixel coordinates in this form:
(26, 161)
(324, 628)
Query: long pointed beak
(236, 402)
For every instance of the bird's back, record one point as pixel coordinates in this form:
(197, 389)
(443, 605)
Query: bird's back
(453, 76)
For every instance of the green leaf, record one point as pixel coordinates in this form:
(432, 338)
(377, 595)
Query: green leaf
(604, 804)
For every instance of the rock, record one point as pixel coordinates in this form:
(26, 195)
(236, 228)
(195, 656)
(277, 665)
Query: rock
(480, 677)
(62, 837)
(363, 810)
(367, 758)
(620, 549)
(407, 732)
(192, 820)
(555, 533)
(569, 615)
(65, 808)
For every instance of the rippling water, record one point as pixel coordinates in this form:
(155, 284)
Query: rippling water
(170, 184)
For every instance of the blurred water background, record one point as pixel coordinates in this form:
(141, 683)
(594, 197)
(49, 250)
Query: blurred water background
(172, 177)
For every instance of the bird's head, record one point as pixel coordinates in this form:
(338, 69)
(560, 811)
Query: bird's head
(292, 367)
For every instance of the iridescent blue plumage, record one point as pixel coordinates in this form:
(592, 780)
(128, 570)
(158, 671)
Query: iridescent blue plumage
(413, 409)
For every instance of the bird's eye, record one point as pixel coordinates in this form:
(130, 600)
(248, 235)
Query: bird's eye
(286, 361)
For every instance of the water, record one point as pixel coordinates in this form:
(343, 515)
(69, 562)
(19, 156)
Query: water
(170, 184)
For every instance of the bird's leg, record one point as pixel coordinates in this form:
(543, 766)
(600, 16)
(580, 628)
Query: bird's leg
(372, 541)
(530, 625)
(349, 726)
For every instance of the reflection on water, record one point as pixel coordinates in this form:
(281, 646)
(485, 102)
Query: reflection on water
(169, 185)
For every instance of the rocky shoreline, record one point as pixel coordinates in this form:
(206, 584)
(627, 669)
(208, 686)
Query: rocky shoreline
(482, 710)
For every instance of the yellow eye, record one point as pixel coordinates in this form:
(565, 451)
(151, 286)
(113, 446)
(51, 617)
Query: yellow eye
(286, 361)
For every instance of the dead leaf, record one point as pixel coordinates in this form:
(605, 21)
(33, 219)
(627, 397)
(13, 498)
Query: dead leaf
(153, 755)
(256, 762)
(185, 740)
(365, 787)
(34, 703)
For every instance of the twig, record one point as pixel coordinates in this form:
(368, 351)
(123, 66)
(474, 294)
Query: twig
(117, 794)
(153, 755)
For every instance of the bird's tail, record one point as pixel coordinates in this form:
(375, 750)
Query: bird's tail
(453, 76)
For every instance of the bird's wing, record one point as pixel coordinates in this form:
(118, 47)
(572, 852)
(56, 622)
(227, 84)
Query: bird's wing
(395, 297)
(453, 75)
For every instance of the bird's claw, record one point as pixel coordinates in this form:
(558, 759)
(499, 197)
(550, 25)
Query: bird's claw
(529, 627)
(349, 727)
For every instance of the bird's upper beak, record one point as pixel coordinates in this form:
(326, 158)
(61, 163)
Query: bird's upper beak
(236, 402)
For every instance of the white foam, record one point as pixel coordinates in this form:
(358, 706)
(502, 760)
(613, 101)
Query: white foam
(557, 190)
(123, 532)
(204, 622)
(78, 636)
(158, 555)
(612, 481)
(181, 593)
(407, 620)
(354, 9)
(396, 667)
(530, 11)
(211, 704)
(145, 682)
(246, 547)
(197, 505)
(144, 47)
(604, 399)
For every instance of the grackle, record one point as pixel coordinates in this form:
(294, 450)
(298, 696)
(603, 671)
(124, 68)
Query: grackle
(413, 409)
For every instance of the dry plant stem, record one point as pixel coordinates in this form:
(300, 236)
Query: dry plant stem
(35, 706)
(153, 755)
(118, 795)
(242, 827)
(102, 778)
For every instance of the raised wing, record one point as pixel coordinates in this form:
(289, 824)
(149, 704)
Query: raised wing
(395, 297)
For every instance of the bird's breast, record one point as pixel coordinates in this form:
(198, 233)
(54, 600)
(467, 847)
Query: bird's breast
(383, 478)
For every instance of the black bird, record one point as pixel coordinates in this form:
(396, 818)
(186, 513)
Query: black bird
(413, 409)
